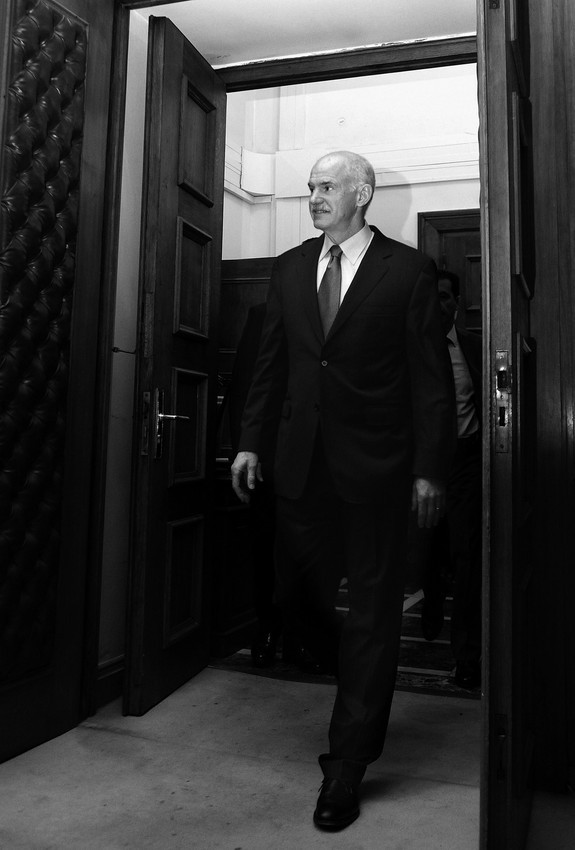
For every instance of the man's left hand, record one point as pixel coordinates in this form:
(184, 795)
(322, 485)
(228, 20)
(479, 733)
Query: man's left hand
(428, 499)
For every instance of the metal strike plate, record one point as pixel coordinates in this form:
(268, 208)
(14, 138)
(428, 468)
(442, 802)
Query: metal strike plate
(502, 406)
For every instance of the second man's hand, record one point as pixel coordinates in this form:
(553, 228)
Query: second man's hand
(246, 469)
(428, 499)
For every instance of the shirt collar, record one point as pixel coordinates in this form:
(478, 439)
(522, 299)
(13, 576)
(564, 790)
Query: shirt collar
(353, 247)
(452, 335)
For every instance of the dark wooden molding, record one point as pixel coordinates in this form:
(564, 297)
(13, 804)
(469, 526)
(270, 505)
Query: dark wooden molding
(383, 59)
(110, 240)
(441, 221)
(110, 682)
(439, 233)
(253, 269)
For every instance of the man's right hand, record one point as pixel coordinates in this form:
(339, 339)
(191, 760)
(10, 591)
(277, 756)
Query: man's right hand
(245, 470)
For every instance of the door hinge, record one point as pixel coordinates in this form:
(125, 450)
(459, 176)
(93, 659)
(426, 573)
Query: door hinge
(502, 401)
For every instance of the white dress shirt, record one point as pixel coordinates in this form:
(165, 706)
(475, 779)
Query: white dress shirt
(353, 252)
(467, 421)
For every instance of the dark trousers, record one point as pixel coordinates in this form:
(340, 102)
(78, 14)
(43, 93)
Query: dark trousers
(320, 538)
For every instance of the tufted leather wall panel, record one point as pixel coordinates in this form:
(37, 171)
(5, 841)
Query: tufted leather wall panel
(40, 190)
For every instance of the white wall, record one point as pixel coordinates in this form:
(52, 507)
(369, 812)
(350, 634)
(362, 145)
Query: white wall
(118, 476)
(418, 128)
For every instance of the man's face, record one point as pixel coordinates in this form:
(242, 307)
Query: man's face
(447, 302)
(333, 199)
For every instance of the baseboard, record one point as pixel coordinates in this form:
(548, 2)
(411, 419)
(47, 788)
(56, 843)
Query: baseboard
(225, 643)
(110, 684)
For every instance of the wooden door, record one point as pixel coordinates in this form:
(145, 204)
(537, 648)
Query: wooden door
(452, 238)
(176, 391)
(55, 90)
(509, 409)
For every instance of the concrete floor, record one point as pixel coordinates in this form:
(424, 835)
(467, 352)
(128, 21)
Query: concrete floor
(229, 761)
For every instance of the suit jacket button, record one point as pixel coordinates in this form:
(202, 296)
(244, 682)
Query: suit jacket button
(324, 362)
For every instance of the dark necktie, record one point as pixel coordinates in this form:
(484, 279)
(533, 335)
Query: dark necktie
(330, 289)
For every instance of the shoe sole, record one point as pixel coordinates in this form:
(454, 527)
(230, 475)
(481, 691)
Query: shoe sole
(334, 826)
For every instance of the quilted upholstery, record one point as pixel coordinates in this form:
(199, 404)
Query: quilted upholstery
(40, 186)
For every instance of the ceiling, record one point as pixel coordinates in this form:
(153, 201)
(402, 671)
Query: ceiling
(227, 32)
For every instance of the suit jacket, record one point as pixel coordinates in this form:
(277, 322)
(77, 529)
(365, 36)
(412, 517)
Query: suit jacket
(380, 385)
(243, 371)
(242, 376)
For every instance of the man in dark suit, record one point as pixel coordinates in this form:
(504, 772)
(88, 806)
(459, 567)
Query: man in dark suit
(353, 331)
(455, 550)
(262, 503)
(262, 508)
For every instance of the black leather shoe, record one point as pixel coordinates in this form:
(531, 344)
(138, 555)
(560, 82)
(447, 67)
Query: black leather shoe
(337, 805)
(263, 649)
(432, 617)
(468, 675)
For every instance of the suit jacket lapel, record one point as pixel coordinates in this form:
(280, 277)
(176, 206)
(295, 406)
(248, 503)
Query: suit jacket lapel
(373, 268)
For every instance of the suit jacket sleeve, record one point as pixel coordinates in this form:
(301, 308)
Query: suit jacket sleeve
(263, 404)
(431, 381)
(243, 371)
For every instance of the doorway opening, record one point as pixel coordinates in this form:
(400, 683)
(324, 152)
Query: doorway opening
(273, 138)
(296, 205)
(415, 173)
(426, 165)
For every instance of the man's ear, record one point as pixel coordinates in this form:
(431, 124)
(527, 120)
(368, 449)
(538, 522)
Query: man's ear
(365, 195)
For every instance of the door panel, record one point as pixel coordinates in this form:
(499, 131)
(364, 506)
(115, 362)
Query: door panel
(169, 621)
(452, 238)
(509, 408)
(55, 86)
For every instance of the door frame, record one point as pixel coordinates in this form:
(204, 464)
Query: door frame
(392, 58)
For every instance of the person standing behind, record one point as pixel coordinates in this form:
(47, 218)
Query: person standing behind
(457, 542)
(269, 628)
(353, 331)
